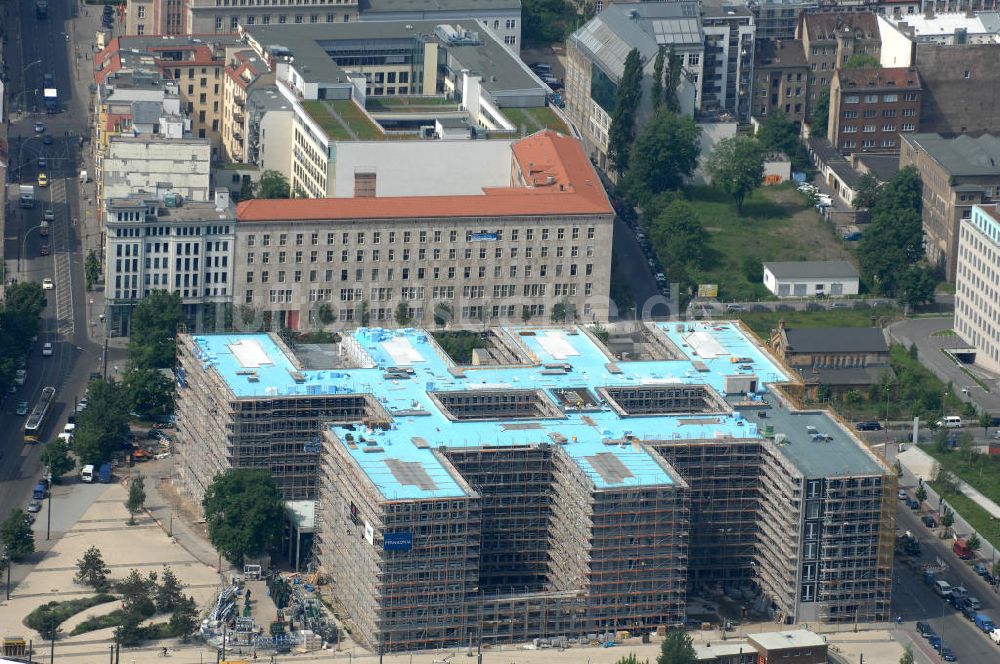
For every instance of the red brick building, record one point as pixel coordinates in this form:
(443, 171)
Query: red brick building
(871, 107)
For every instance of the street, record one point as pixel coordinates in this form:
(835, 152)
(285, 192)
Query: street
(38, 48)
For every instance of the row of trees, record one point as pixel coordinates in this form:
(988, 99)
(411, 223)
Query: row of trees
(19, 312)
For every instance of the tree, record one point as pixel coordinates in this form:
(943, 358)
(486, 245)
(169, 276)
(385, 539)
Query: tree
(917, 285)
(947, 518)
(102, 427)
(56, 458)
(631, 659)
(443, 314)
(820, 114)
(663, 155)
(671, 101)
(150, 393)
(894, 241)
(48, 625)
(985, 421)
(950, 484)
(92, 269)
(907, 656)
(137, 593)
(736, 166)
(921, 494)
(779, 134)
(272, 185)
(680, 240)
(365, 316)
(244, 512)
(974, 542)
(546, 21)
(153, 330)
(402, 314)
(656, 91)
(136, 497)
(862, 61)
(995, 570)
(184, 620)
(562, 311)
(622, 131)
(867, 192)
(677, 648)
(16, 536)
(168, 594)
(92, 570)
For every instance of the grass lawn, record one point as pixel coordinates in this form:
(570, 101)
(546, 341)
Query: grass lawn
(762, 322)
(981, 471)
(535, 119)
(987, 527)
(777, 224)
(404, 103)
(357, 120)
(319, 113)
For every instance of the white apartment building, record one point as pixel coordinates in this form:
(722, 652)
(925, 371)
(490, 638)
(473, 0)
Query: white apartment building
(977, 307)
(151, 164)
(167, 244)
(506, 241)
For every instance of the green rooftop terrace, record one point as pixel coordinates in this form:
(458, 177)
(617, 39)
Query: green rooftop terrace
(342, 120)
(407, 104)
(535, 119)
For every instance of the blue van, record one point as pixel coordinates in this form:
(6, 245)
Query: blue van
(39, 491)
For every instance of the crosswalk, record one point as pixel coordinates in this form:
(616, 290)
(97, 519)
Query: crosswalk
(61, 258)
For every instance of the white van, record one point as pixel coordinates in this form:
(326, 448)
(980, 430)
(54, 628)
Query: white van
(87, 474)
(950, 422)
(942, 588)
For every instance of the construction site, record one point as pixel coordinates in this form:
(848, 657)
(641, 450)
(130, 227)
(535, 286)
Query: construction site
(551, 488)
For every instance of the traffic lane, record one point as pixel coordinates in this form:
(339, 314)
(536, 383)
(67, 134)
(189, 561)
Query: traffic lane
(631, 264)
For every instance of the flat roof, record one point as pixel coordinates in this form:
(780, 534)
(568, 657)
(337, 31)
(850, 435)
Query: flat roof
(945, 24)
(960, 155)
(389, 6)
(798, 638)
(556, 178)
(836, 340)
(812, 269)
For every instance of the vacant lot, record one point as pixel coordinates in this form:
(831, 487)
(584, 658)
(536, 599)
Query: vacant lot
(981, 471)
(776, 225)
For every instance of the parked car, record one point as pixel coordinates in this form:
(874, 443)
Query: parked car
(35, 506)
(48, 284)
(47, 349)
(923, 629)
(980, 569)
(44, 251)
(22, 408)
(902, 495)
(928, 521)
(868, 426)
(947, 655)
(912, 504)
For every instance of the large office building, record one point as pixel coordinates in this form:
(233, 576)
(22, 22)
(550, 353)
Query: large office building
(978, 269)
(550, 484)
(522, 235)
(957, 174)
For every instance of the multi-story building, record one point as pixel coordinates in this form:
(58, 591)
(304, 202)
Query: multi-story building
(829, 39)
(957, 174)
(781, 79)
(154, 17)
(871, 108)
(903, 8)
(532, 218)
(501, 17)
(978, 269)
(947, 29)
(157, 242)
(779, 19)
(842, 358)
(727, 74)
(196, 65)
(245, 73)
(269, 116)
(207, 17)
(147, 164)
(498, 501)
(596, 61)
(476, 87)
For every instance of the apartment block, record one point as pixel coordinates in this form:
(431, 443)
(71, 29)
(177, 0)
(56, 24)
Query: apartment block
(245, 73)
(727, 75)
(148, 164)
(157, 241)
(872, 108)
(195, 65)
(596, 61)
(781, 79)
(532, 218)
(976, 306)
(829, 39)
(957, 174)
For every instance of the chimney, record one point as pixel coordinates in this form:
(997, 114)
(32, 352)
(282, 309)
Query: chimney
(222, 199)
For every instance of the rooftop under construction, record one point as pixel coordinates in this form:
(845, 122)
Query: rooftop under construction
(554, 487)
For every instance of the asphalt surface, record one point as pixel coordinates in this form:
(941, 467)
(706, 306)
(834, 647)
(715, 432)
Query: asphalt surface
(38, 47)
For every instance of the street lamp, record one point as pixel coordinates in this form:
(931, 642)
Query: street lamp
(24, 241)
(24, 73)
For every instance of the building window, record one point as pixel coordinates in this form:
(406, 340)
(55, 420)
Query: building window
(141, 11)
(851, 99)
(890, 99)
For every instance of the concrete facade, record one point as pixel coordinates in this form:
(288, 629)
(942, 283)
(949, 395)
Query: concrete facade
(149, 164)
(727, 75)
(245, 72)
(976, 306)
(781, 80)
(871, 108)
(961, 87)
(957, 174)
(208, 17)
(829, 39)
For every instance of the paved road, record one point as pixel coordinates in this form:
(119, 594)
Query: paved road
(633, 267)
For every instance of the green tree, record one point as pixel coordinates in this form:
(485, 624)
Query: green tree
(974, 542)
(680, 240)
(546, 21)
(985, 421)
(656, 90)
(272, 185)
(92, 570)
(671, 101)
(137, 591)
(184, 620)
(779, 134)
(92, 269)
(244, 512)
(150, 393)
(621, 134)
(677, 648)
(136, 496)
(631, 659)
(948, 518)
(867, 191)
(48, 625)
(907, 656)
(16, 536)
(365, 316)
(55, 457)
(893, 242)
(102, 427)
(168, 595)
(736, 166)
(402, 314)
(443, 314)
(562, 311)
(917, 284)
(921, 494)
(995, 569)
(819, 115)
(153, 331)
(950, 486)
(862, 61)
(664, 154)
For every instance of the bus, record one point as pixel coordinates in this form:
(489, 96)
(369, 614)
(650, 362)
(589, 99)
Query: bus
(33, 427)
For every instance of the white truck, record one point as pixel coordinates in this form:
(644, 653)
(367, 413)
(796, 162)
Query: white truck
(27, 196)
(49, 217)
(995, 635)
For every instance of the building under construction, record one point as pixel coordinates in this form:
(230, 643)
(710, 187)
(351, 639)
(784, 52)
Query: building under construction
(555, 488)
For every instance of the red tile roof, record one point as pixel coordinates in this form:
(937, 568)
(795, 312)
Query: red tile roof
(553, 176)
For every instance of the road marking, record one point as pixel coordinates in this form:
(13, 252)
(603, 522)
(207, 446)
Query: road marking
(60, 248)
